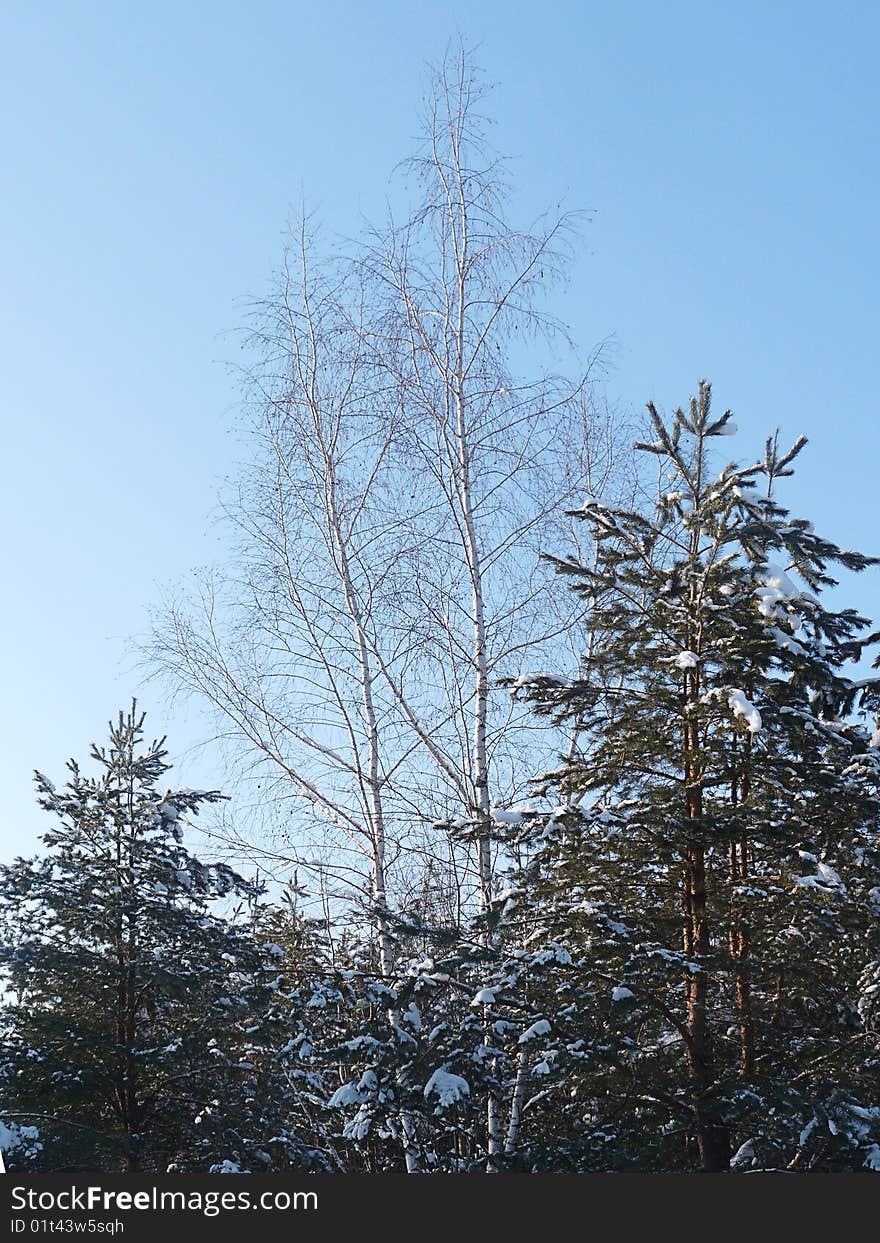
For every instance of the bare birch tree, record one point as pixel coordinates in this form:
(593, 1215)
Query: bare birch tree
(502, 456)
(405, 480)
(283, 647)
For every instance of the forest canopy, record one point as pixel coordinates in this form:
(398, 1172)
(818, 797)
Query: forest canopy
(567, 751)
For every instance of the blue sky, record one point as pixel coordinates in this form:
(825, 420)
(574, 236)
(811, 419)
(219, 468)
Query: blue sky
(152, 155)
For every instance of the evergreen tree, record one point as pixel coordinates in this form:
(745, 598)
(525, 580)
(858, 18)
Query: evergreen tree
(136, 1014)
(708, 884)
(464, 1025)
(293, 1076)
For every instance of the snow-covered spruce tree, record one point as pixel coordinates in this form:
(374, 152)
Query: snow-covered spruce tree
(134, 1014)
(310, 1009)
(467, 1020)
(702, 913)
(433, 1065)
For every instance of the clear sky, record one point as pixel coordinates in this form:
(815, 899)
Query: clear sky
(152, 154)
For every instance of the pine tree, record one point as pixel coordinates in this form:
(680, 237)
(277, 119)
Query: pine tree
(710, 876)
(135, 1012)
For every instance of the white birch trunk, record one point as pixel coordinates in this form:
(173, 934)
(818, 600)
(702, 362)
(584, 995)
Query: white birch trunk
(517, 1101)
(376, 811)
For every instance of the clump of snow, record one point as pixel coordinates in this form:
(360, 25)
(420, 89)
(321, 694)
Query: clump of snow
(743, 1156)
(531, 678)
(775, 589)
(809, 882)
(741, 706)
(748, 494)
(485, 997)
(786, 643)
(448, 1087)
(828, 876)
(511, 815)
(621, 993)
(685, 660)
(540, 1028)
(352, 1093)
(23, 1140)
(347, 1095)
(413, 1016)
